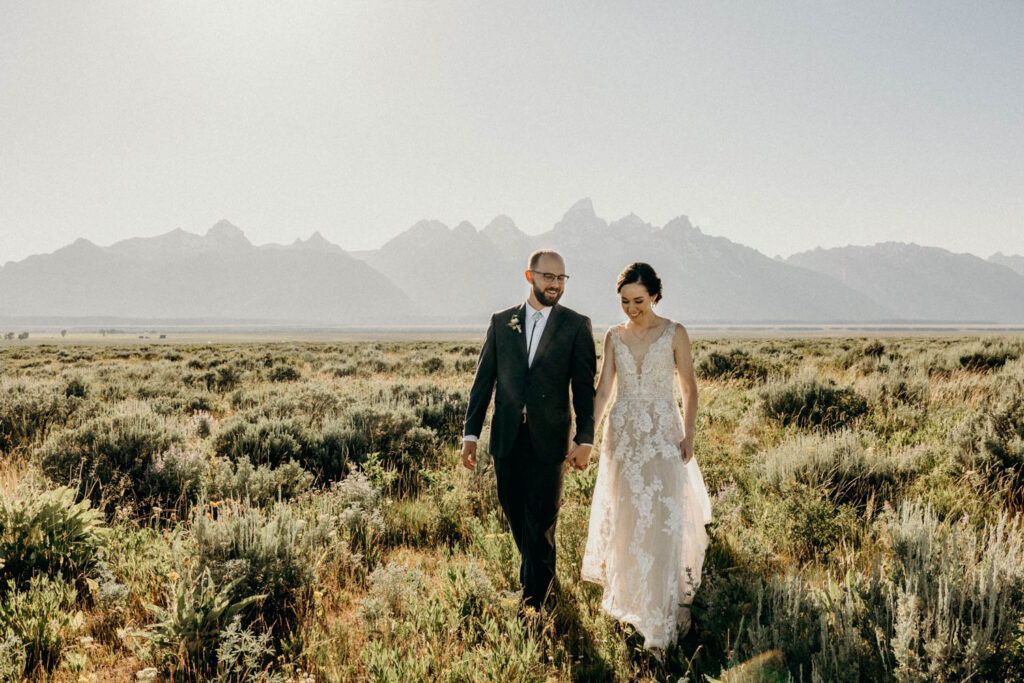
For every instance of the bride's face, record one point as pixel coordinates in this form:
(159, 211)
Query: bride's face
(636, 301)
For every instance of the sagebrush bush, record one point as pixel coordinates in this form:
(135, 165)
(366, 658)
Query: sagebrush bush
(107, 457)
(258, 486)
(12, 657)
(985, 358)
(945, 604)
(175, 477)
(271, 552)
(845, 464)
(732, 364)
(353, 509)
(394, 590)
(28, 413)
(808, 402)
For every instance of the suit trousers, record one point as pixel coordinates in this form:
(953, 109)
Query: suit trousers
(530, 493)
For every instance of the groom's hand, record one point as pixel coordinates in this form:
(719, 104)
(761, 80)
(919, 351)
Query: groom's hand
(580, 457)
(469, 454)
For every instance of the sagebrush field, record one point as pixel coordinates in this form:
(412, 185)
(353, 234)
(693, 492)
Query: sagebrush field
(298, 512)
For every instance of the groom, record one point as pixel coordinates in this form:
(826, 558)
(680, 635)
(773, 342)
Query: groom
(532, 354)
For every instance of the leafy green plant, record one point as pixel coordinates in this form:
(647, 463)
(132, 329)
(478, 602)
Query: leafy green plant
(40, 616)
(185, 635)
(46, 534)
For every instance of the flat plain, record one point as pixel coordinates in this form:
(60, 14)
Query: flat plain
(250, 507)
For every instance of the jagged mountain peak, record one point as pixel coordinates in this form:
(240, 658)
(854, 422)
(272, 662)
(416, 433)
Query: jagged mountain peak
(224, 232)
(681, 224)
(632, 225)
(465, 229)
(584, 208)
(580, 219)
(501, 224)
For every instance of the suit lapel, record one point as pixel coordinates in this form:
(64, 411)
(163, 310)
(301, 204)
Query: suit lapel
(521, 334)
(549, 331)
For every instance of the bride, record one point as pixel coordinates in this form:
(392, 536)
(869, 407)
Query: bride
(646, 539)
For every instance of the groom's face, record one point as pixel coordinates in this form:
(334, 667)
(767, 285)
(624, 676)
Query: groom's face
(548, 293)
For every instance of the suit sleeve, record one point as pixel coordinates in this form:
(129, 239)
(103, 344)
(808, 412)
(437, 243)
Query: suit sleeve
(483, 385)
(584, 367)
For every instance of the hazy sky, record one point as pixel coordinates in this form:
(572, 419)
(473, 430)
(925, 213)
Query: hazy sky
(781, 125)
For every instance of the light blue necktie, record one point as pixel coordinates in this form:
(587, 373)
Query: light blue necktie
(533, 331)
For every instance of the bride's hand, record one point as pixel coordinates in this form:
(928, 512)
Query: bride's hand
(686, 449)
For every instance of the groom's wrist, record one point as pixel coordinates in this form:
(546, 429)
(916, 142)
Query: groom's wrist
(470, 438)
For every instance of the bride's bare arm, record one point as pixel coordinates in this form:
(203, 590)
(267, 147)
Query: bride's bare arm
(580, 457)
(606, 382)
(687, 387)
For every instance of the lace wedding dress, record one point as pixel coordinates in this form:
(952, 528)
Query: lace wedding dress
(646, 540)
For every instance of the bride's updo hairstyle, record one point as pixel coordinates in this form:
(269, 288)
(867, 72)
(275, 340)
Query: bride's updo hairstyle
(645, 275)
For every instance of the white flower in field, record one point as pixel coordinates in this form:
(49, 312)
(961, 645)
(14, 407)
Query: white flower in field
(147, 674)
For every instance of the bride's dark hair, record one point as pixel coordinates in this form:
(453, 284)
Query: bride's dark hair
(645, 275)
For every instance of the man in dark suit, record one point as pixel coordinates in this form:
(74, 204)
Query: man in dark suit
(531, 356)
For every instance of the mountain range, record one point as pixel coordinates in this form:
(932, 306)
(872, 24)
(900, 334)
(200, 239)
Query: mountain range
(434, 275)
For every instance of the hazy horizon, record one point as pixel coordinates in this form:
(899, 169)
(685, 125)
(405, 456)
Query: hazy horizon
(780, 127)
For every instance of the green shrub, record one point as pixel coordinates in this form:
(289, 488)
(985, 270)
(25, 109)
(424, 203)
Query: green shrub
(468, 590)
(807, 402)
(28, 413)
(944, 603)
(267, 442)
(42, 617)
(12, 658)
(432, 365)
(353, 508)
(987, 359)
(175, 477)
(841, 464)
(76, 388)
(187, 634)
(732, 364)
(273, 552)
(259, 486)
(993, 439)
(284, 373)
(44, 534)
(807, 523)
(394, 590)
(874, 349)
(107, 457)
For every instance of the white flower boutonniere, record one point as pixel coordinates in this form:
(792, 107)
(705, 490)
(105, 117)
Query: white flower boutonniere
(514, 324)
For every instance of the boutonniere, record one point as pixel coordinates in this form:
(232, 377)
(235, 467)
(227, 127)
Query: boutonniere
(514, 324)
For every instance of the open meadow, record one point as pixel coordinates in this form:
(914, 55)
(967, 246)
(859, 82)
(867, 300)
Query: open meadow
(297, 511)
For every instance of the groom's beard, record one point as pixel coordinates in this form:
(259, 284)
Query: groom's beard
(547, 297)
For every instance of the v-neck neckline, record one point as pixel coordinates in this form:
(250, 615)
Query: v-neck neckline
(639, 365)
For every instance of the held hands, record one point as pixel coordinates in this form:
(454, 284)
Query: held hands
(686, 449)
(579, 457)
(469, 455)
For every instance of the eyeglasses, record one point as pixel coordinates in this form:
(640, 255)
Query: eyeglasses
(551, 277)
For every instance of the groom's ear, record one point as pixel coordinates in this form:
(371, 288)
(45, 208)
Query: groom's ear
(529, 276)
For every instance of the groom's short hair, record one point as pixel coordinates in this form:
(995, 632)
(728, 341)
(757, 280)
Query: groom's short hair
(536, 256)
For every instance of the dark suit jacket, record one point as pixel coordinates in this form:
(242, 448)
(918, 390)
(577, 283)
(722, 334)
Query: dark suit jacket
(565, 356)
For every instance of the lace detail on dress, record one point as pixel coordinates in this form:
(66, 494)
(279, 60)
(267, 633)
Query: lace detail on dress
(646, 539)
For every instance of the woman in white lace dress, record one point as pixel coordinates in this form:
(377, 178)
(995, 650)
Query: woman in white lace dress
(646, 540)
